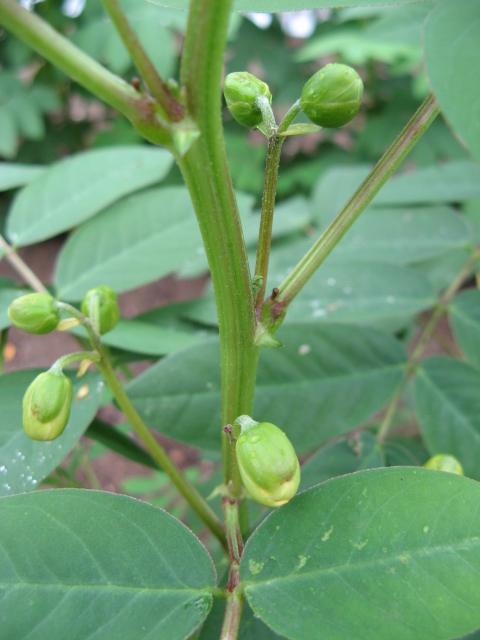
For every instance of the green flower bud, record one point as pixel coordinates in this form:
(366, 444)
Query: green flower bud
(332, 96)
(267, 461)
(46, 405)
(241, 92)
(108, 312)
(445, 462)
(34, 313)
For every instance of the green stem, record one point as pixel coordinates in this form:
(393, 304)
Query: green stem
(263, 103)
(290, 116)
(64, 361)
(266, 218)
(159, 454)
(362, 197)
(21, 268)
(233, 614)
(154, 82)
(139, 108)
(208, 179)
(440, 309)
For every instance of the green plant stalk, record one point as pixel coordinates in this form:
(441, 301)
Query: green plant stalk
(156, 451)
(21, 267)
(362, 197)
(138, 107)
(266, 217)
(64, 361)
(208, 179)
(440, 309)
(154, 82)
(290, 116)
(233, 614)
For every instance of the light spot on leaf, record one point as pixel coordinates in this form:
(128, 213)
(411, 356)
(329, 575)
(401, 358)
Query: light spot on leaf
(327, 534)
(255, 567)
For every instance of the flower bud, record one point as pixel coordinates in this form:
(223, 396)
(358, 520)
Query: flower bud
(34, 313)
(444, 462)
(108, 312)
(332, 96)
(267, 461)
(241, 91)
(46, 405)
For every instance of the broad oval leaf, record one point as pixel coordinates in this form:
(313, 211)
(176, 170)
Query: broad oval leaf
(13, 175)
(465, 319)
(388, 553)
(73, 190)
(454, 71)
(448, 406)
(99, 565)
(325, 381)
(24, 463)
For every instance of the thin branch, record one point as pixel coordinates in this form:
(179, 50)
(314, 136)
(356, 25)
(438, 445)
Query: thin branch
(154, 82)
(21, 267)
(440, 309)
(362, 197)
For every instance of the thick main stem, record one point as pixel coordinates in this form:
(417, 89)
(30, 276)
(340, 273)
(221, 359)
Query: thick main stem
(362, 197)
(207, 176)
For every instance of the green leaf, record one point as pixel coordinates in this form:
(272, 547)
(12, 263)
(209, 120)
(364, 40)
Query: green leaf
(452, 182)
(116, 441)
(145, 338)
(24, 462)
(405, 452)
(73, 190)
(324, 382)
(378, 294)
(100, 39)
(465, 319)
(446, 396)
(358, 452)
(388, 553)
(13, 175)
(403, 235)
(454, 71)
(99, 565)
(275, 6)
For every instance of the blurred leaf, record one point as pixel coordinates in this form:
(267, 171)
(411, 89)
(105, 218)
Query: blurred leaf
(144, 338)
(374, 293)
(325, 381)
(22, 109)
(301, 129)
(281, 5)
(454, 71)
(447, 400)
(113, 439)
(402, 235)
(358, 452)
(100, 40)
(346, 541)
(405, 452)
(111, 561)
(24, 462)
(13, 175)
(75, 189)
(464, 314)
